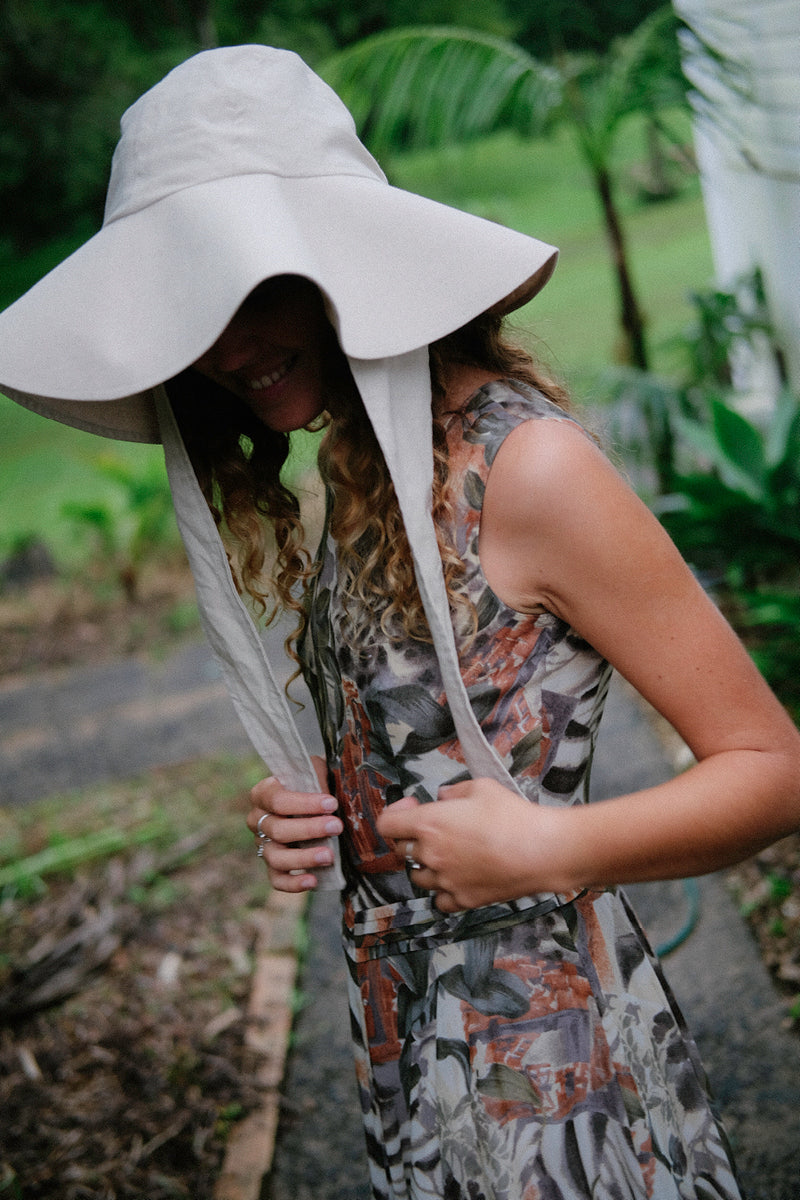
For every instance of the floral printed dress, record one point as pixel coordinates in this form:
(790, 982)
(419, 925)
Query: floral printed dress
(527, 1050)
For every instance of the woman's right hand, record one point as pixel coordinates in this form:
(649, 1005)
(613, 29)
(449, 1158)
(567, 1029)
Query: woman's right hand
(296, 825)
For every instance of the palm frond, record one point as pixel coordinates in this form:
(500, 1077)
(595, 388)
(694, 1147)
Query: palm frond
(641, 72)
(429, 86)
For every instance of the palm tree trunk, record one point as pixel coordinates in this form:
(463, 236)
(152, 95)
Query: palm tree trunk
(206, 24)
(630, 314)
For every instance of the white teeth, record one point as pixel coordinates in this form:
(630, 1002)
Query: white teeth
(267, 380)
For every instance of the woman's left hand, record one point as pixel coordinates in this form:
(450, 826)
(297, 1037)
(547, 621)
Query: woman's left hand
(479, 844)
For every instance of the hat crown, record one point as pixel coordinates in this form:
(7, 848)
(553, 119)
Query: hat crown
(237, 110)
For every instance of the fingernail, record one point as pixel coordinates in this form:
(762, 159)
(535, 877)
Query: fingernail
(308, 882)
(329, 804)
(333, 826)
(323, 857)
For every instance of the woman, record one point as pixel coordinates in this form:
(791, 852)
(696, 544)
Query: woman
(482, 567)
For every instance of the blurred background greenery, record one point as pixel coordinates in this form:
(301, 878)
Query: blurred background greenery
(68, 71)
(567, 119)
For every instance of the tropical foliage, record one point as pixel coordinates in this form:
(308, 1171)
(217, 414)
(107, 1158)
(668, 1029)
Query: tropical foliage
(68, 70)
(736, 511)
(138, 527)
(433, 86)
(649, 408)
(547, 27)
(727, 488)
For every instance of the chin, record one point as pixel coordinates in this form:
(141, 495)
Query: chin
(288, 422)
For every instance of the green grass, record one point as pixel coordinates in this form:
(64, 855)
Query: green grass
(543, 189)
(540, 187)
(170, 802)
(42, 466)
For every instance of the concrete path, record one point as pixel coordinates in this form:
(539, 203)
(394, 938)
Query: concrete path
(66, 729)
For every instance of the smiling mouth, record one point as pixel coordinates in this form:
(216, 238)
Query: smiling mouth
(273, 377)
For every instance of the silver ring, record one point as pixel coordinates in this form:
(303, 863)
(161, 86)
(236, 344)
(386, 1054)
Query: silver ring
(259, 831)
(260, 850)
(411, 862)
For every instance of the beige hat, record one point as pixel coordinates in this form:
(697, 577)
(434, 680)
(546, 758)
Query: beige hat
(239, 165)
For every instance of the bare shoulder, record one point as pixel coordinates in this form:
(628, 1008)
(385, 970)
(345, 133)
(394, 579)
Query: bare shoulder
(561, 530)
(547, 456)
(550, 490)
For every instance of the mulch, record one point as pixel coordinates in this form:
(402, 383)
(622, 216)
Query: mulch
(69, 621)
(124, 1060)
(767, 890)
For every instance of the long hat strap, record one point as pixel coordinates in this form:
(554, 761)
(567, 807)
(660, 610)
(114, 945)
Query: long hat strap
(257, 696)
(397, 396)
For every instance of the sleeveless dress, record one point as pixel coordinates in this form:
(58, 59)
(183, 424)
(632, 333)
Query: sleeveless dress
(522, 1051)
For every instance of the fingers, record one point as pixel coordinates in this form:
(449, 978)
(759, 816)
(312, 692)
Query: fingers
(447, 903)
(269, 795)
(430, 881)
(291, 829)
(400, 820)
(404, 804)
(287, 816)
(293, 868)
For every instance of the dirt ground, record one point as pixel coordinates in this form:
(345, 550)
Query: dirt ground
(66, 622)
(128, 1083)
(767, 889)
(123, 985)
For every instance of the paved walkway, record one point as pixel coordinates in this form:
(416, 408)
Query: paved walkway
(65, 729)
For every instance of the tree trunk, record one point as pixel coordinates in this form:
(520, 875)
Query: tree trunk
(206, 24)
(630, 315)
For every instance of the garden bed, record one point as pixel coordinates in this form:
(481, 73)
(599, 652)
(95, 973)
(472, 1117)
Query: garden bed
(128, 1083)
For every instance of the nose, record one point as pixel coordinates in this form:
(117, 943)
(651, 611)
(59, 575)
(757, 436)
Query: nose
(233, 349)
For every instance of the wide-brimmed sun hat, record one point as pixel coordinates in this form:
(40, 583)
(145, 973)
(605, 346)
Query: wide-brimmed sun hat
(242, 164)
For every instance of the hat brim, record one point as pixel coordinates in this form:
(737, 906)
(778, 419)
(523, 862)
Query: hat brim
(151, 291)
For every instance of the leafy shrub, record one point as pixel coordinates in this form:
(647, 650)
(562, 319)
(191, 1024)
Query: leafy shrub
(127, 533)
(727, 491)
(648, 410)
(736, 513)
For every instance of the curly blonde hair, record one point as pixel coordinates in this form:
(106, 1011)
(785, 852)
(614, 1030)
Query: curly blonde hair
(238, 462)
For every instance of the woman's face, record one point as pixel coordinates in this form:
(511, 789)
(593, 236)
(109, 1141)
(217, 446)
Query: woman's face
(279, 354)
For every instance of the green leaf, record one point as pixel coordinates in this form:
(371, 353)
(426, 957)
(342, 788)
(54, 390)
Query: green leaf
(78, 850)
(430, 86)
(708, 445)
(740, 442)
(782, 439)
(698, 437)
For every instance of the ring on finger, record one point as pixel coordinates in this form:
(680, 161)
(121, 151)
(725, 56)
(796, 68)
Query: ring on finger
(413, 865)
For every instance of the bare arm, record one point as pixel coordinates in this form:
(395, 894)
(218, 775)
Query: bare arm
(562, 530)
